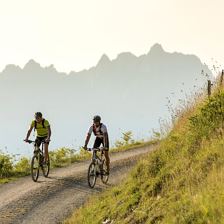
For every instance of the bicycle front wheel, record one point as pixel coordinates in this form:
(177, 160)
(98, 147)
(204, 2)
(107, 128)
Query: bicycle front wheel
(92, 175)
(104, 174)
(35, 168)
(46, 169)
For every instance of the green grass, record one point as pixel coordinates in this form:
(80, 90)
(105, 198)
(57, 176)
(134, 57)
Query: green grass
(135, 145)
(7, 180)
(180, 182)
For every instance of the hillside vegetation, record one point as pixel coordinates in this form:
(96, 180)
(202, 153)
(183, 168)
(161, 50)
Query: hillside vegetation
(180, 182)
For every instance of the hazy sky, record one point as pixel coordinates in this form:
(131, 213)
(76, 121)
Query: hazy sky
(73, 34)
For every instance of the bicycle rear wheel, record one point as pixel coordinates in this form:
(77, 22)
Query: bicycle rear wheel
(92, 175)
(35, 168)
(46, 169)
(104, 174)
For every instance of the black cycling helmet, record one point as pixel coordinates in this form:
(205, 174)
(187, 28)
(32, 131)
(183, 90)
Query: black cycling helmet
(38, 114)
(97, 118)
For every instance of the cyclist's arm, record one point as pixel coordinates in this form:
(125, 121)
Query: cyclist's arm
(28, 133)
(105, 137)
(105, 140)
(49, 133)
(87, 139)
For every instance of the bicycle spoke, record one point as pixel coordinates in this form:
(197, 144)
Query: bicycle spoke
(104, 175)
(35, 168)
(92, 175)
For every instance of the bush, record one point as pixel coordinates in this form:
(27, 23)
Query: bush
(6, 165)
(22, 167)
(61, 157)
(65, 156)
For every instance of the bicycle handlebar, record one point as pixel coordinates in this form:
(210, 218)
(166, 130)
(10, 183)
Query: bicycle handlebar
(31, 141)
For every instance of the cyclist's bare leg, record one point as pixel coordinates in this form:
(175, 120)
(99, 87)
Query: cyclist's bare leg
(106, 153)
(46, 155)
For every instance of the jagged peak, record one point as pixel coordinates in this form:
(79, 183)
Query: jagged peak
(51, 68)
(32, 64)
(103, 60)
(156, 49)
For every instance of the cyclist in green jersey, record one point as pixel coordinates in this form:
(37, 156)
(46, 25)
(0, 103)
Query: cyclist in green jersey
(43, 133)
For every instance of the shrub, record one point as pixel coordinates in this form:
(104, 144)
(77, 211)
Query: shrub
(6, 165)
(22, 167)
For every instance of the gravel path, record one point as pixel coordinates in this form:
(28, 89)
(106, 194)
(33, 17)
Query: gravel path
(52, 199)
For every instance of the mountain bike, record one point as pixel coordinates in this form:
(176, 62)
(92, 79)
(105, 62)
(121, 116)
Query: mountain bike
(37, 161)
(97, 167)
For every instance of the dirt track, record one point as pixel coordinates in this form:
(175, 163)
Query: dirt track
(52, 199)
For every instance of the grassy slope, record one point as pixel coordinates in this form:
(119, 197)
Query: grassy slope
(180, 182)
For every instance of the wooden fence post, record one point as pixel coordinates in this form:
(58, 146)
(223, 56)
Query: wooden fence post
(209, 88)
(221, 78)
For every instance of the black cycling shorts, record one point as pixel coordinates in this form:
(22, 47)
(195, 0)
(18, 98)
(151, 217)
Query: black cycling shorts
(98, 142)
(39, 140)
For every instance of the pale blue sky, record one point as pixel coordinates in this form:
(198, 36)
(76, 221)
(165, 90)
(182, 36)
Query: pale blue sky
(73, 34)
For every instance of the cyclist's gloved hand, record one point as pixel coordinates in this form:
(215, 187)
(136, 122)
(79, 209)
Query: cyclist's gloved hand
(47, 140)
(26, 140)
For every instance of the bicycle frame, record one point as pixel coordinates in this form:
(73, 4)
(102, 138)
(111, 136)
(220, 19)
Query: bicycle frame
(95, 158)
(40, 152)
(37, 149)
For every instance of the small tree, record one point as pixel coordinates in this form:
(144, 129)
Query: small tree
(127, 137)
